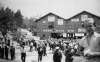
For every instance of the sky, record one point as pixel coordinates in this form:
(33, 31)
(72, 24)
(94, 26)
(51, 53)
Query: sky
(63, 8)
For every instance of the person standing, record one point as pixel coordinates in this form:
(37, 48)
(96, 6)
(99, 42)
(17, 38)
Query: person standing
(6, 51)
(67, 55)
(35, 45)
(31, 46)
(2, 50)
(90, 44)
(57, 56)
(44, 50)
(12, 52)
(23, 53)
(40, 53)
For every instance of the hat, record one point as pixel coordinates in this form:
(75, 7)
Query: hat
(89, 21)
(57, 47)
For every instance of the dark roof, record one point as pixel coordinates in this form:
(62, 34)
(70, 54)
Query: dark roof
(84, 12)
(47, 15)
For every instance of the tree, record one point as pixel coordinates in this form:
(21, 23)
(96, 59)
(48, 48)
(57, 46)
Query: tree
(19, 18)
(29, 24)
(6, 18)
(25, 23)
(10, 21)
(32, 25)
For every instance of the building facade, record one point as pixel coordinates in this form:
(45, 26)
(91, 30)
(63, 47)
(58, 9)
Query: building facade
(52, 25)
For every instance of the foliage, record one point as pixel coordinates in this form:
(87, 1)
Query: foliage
(10, 21)
(32, 24)
(29, 24)
(16, 36)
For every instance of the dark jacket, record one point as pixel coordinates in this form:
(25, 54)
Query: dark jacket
(57, 56)
(40, 52)
(12, 50)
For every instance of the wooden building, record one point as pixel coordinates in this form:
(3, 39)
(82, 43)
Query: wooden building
(52, 25)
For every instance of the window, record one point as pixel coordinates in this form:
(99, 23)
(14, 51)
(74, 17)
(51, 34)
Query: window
(50, 26)
(81, 30)
(51, 18)
(60, 21)
(44, 21)
(84, 17)
(68, 30)
(72, 30)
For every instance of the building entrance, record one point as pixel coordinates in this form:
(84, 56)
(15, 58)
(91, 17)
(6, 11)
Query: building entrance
(56, 35)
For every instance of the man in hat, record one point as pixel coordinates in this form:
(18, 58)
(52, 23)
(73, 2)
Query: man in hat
(90, 44)
(40, 53)
(57, 56)
(12, 52)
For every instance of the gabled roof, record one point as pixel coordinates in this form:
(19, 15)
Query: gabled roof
(84, 12)
(47, 15)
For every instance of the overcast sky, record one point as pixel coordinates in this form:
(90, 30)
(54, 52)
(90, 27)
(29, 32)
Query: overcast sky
(63, 8)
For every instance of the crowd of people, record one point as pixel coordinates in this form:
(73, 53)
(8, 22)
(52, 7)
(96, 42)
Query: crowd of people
(68, 47)
(6, 51)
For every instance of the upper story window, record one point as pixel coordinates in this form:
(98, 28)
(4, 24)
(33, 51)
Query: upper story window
(50, 25)
(84, 17)
(60, 21)
(51, 18)
(75, 20)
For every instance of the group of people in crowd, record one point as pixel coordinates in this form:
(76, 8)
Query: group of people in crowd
(39, 46)
(58, 46)
(7, 50)
(67, 47)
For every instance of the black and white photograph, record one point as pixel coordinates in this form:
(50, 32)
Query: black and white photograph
(49, 30)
